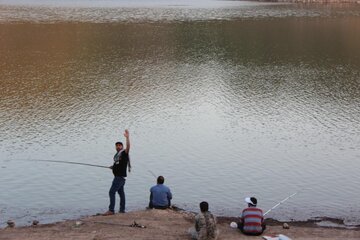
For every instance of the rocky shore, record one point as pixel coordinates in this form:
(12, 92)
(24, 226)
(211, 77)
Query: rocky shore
(160, 224)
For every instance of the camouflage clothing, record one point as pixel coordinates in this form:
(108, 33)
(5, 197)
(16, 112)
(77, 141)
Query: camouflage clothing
(205, 226)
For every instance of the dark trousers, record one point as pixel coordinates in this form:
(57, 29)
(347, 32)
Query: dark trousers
(241, 227)
(151, 205)
(159, 207)
(117, 186)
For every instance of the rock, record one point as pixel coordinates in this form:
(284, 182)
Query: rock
(233, 225)
(10, 223)
(286, 226)
(78, 223)
(35, 222)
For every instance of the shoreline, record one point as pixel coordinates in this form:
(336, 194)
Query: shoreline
(324, 2)
(311, 2)
(312, 222)
(165, 224)
(314, 2)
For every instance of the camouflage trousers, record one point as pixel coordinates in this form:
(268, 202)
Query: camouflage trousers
(195, 235)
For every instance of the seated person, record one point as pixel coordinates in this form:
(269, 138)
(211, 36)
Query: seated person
(160, 195)
(252, 219)
(205, 225)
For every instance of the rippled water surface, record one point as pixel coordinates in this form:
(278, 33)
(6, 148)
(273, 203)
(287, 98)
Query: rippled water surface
(225, 99)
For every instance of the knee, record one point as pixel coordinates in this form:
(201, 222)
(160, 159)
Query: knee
(193, 234)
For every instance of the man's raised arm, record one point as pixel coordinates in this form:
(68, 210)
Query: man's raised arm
(126, 135)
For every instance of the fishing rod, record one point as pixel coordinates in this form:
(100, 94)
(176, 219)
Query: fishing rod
(76, 163)
(281, 202)
(133, 225)
(66, 162)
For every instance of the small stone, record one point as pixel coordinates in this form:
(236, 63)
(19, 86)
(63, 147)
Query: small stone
(78, 223)
(233, 225)
(35, 222)
(286, 226)
(10, 223)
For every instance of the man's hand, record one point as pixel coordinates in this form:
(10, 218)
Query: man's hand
(126, 133)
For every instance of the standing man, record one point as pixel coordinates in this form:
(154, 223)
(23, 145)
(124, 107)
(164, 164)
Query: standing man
(119, 168)
(160, 195)
(252, 219)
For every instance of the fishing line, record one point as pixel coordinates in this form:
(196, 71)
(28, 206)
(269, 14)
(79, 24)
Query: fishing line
(152, 173)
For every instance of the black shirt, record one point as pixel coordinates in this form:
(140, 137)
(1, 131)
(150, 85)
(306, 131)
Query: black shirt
(119, 167)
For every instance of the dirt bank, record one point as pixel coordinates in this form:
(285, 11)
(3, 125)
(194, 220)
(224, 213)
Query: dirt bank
(160, 224)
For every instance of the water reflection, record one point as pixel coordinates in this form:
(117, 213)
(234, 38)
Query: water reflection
(223, 108)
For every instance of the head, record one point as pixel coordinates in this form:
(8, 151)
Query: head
(119, 146)
(252, 202)
(204, 206)
(160, 180)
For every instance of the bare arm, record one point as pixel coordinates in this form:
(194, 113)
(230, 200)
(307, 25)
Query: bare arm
(126, 135)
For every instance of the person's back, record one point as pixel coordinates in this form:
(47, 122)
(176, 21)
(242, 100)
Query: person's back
(206, 226)
(160, 195)
(252, 219)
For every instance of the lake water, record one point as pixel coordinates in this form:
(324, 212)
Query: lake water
(226, 99)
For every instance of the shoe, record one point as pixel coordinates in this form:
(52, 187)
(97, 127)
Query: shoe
(121, 211)
(108, 213)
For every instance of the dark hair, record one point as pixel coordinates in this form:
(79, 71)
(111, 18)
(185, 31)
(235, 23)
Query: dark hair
(254, 200)
(160, 180)
(204, 206)
(119, 143)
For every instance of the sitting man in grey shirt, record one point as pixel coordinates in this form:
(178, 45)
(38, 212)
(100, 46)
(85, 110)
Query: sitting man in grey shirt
(160, 195)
